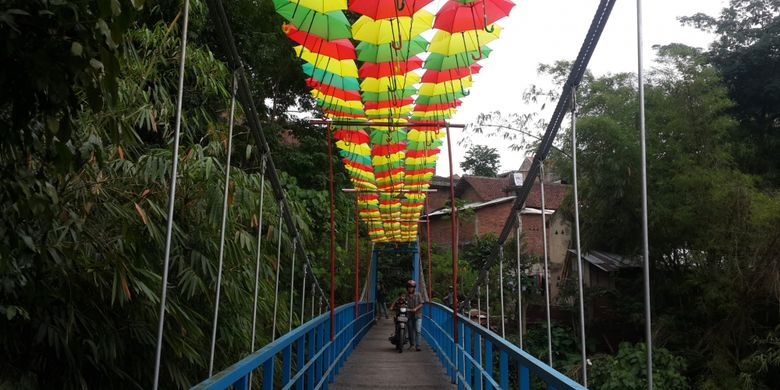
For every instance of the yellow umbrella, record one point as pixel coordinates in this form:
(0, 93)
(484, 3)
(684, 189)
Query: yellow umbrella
(421, 160)
(448, 44)
(391, 30)
(395, 112)
(332, 100)
(343, 68)
(451, 86)
(322, 5)
(435, 114)
(424, 136)
(370, 84)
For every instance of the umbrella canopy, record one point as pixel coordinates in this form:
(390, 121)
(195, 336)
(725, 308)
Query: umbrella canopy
(390, 30)
(384, 69)
(329, 78)
(383, 84)
(341, 49)
(320, 5)
(388, 95)
(329, 25)
(445, 62)
(340, 67)
(333, 90)
(388, 103)
(385, 52)
(385, 9)
(439, 76)
(456, 17)
(450, 44)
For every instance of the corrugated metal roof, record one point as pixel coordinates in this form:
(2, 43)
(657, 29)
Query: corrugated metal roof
(609, 262)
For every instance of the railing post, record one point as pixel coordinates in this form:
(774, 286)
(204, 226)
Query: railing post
(503, 367)
(268, 374)
(286, 364)
(525, 376)
(489, 362)
(300, 360)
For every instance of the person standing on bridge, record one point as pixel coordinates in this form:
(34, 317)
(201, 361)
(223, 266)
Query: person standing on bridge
(415, 300)
(381, 300)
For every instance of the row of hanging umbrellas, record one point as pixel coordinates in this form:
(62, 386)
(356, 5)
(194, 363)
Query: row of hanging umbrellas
(392, 165)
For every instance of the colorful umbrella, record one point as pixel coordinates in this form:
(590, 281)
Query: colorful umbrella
(341, 49)
(385, 52)
(444, 62)
(386, 31)
(321, 5)
(456, 17)
(448, 44)
(385, 9)
(385, 69)
(329, 26)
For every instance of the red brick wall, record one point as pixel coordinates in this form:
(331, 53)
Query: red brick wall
(491, 219)
(438, 199)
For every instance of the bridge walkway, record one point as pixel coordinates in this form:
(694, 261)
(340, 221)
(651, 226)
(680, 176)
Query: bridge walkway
(375, 364)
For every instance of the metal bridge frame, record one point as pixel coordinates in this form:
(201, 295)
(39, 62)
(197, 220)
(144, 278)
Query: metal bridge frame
(470, 361)
(304, 358)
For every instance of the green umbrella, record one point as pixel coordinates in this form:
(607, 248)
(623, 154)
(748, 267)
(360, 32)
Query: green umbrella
(410, 145)
(441, 62)
(332, 79)
(382, 96)
(439, 99)
(385, 53)
(379, 137)
(329, 26)
(360, 159)
(335, 106)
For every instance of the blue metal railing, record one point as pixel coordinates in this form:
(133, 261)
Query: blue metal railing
(472, 363)
(304, 358)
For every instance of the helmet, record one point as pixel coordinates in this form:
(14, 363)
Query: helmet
(411, 283)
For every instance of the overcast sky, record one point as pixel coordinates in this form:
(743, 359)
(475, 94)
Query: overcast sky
(544, 31)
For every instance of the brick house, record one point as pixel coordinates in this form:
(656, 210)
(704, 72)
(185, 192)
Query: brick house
(488, 203)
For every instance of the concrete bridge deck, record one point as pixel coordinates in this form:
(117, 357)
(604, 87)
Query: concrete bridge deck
(375, 364)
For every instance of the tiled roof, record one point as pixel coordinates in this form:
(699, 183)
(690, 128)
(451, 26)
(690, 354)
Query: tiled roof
(487, 188)
(553, 194)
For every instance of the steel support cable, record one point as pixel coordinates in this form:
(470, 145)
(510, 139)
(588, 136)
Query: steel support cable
(278, 267)
(580, 265)
(303, 293)
(332, 238)
(546, 265)
(253, 121)
(645, 235)
(292, 285)
(501, 288)
(428, 250)
(454, 215)
(259, 252)
(357, 255)
(312, 300)
(519, 279)
(171, 197)
(575, 77)
(223, 228)
(487, 297)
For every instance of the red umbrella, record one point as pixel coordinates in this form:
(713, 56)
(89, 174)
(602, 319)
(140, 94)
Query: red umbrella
(384, 150)
(385, 9)
(342, 114)
(385, 69)
(352, 136)
(456, 17)
(420, 171)
(440, 76)
(422, 153)
(388, 173)
(340, 49)
(333, 91)
(388, 103)
(436, 106)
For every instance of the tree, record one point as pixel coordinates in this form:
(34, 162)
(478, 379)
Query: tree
(626, 371)
(746, 55)
(481, 160)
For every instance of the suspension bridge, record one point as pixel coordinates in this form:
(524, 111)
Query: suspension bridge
(346, 347)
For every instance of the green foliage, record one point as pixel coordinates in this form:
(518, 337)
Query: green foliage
(627, 370)
(746, 55)
(481, 160)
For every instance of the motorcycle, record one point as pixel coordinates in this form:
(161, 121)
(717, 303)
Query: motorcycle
(401, 320)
